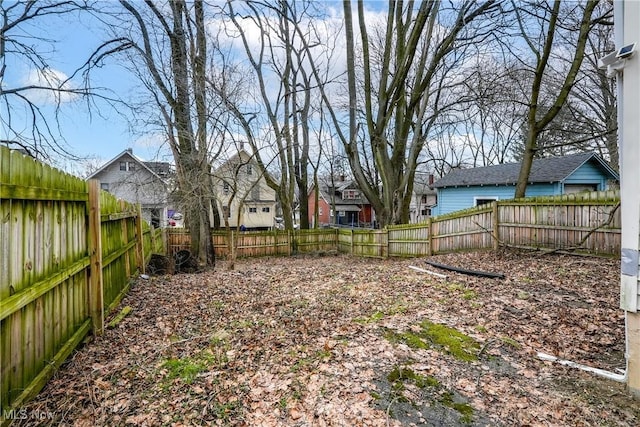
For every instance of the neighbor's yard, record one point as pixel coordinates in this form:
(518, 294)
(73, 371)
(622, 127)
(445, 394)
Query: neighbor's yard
(336, 340)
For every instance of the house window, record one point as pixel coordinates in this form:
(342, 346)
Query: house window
(425, 212)
(253, 210)
(225, 188)
(266, 209)
(320, 210)
(342, 214)
(350, 194)
(104, 186)
(484, 200)
(423, 199)
(127, 166)
(249, 170)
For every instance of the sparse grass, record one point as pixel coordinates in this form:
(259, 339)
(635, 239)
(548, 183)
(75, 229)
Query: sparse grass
(307, 360)
(227, 411)
(469, 294)
(186, 369)
(513, 343)
(463, 290)
(375, 317)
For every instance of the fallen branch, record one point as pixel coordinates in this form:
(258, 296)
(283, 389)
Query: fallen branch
(586, 236)
(123, 313)
(577, 246)
(465, 271)
(433, 273)
(485, 347)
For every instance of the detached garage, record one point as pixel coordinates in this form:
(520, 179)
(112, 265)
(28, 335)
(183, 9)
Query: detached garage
(465, 188)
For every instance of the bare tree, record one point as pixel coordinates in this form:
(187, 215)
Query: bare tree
(492, 118)
(171, 45)
(542, 26)
(403, 91)
(592, 102)
(280, 63)
(26, 106)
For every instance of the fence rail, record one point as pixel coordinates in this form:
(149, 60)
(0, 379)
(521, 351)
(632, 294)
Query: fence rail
(68, 251)
(585, 223)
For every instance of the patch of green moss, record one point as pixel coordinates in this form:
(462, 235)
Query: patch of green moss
(456, 287)
(452, 341)
(465, 410)
(449, 340)
(409, 338)
(401, 374)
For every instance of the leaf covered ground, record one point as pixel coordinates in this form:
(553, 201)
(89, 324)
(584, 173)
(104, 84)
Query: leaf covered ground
(341, 341)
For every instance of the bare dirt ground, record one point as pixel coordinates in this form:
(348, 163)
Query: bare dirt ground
(341, 341)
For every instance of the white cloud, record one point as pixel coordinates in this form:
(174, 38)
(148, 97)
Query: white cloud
(51, 86)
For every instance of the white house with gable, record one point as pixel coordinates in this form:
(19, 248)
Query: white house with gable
(135, 181)
(243, 195)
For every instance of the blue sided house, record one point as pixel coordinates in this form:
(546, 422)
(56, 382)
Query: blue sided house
(465, 188)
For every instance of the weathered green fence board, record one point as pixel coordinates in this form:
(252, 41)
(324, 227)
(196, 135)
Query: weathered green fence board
(44, 269)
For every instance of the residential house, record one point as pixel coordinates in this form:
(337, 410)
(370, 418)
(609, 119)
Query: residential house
(465, 188)
(242, 193)
(423, 200)
(340, 203)
(135, 181)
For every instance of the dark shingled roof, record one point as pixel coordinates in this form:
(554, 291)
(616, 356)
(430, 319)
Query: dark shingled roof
(552, 169)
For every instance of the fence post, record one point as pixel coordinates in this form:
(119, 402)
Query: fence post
(352, 241)
(429, 237)
(165, 240)
(140, 241)
(386, 235)
(96, 289)
(275, 242)
(125, 239)
(496, 232)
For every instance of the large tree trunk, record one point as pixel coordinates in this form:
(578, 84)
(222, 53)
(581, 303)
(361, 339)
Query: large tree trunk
(176, 88)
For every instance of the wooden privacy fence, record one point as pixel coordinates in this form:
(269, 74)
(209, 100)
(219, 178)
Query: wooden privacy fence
(67, 253)
(586, 223)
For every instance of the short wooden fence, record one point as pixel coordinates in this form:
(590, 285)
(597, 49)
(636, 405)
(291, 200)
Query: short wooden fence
(587, 223)
(68, 251)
